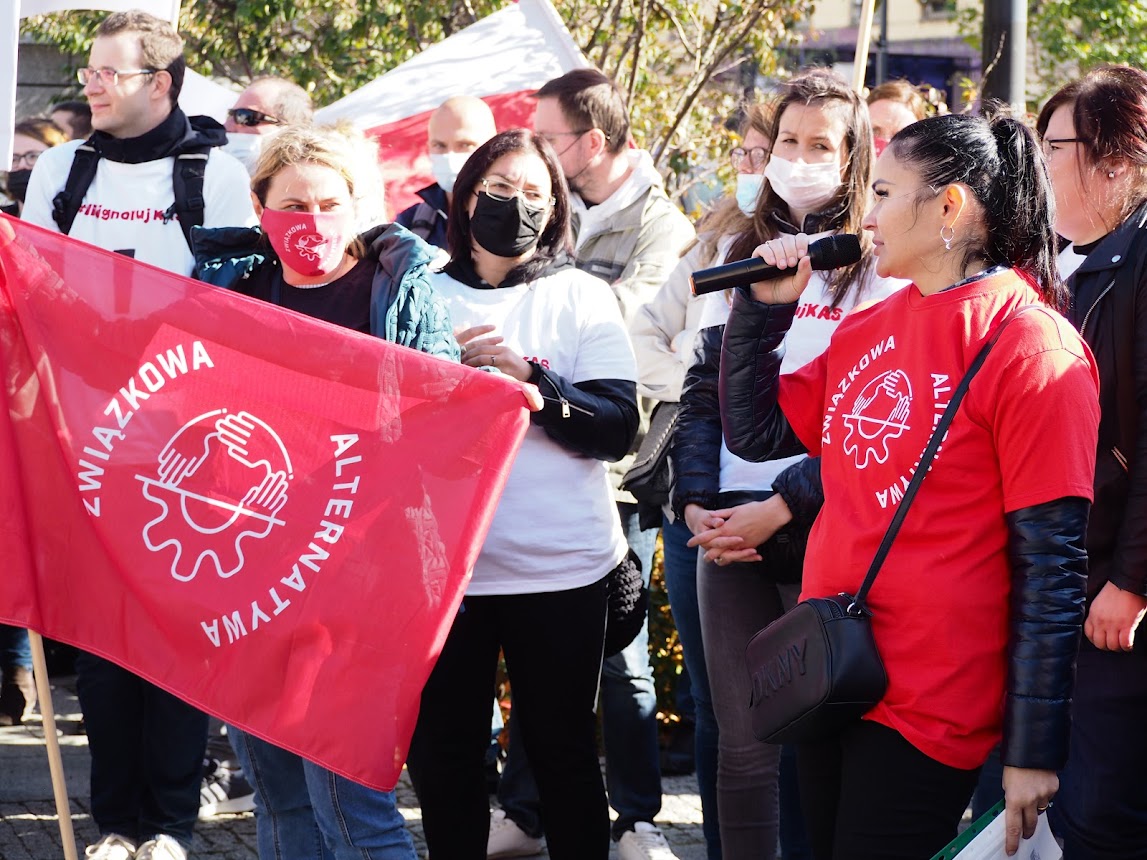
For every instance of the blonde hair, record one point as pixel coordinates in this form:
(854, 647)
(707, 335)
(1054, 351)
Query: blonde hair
(326, 146)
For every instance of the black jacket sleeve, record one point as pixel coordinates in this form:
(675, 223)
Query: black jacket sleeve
(597, 418)
(696, 450)
(1049, 573)
(799, 485)
(755, 428)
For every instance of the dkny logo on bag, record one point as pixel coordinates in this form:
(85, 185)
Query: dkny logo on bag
(778, 672)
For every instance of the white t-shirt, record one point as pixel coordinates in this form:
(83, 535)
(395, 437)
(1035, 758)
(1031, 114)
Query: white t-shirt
(815, 321)
(123, 208)
(556, 527)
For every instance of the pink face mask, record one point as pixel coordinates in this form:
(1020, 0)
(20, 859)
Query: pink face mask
(879, 143)
(310, 244)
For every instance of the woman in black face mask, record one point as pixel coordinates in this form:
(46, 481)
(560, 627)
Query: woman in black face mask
(30, 138)
(538, 590)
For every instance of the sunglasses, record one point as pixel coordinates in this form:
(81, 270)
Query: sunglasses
(249, 117)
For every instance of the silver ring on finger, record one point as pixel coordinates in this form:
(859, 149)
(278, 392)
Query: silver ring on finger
(493, 360)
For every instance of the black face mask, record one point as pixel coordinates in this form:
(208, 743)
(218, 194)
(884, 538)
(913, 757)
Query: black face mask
(506, 228)
(17, 184)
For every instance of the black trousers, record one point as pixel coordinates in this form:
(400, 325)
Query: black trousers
(147, 753)
(553, 648)
(1101, 809)
(868, 794)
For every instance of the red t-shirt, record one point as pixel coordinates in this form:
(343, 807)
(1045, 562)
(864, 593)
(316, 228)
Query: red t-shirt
(1024, 434)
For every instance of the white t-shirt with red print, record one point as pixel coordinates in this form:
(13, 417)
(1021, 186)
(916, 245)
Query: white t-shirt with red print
(1025, 434)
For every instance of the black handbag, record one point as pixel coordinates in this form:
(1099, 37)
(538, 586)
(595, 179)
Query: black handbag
(627, 600)
(649, 478)
(816, 669)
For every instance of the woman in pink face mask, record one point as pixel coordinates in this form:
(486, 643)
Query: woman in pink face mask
(308, 257)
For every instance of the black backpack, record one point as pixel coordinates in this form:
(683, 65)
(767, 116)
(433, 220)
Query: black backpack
(187, 180)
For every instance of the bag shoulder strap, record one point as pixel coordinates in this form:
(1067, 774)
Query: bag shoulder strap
(422, 222)
(66, 204)
(187, 182)
(857, 605)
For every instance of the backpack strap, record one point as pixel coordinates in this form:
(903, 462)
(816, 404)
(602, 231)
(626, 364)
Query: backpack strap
(187, 180)
(66, 204)
(423, 220)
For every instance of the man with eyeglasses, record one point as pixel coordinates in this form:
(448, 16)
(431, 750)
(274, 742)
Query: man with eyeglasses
(148, 172)
(267, 105)
(630, 234)
(147, 746)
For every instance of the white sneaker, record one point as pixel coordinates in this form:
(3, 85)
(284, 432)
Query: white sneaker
(644, 842)
(162, 847)
(507, 839)
(111, 847)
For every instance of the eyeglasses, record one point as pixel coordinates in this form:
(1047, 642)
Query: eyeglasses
(250, 117)
(501, 190)
(757, 156)
(109, 77)
(1048, 142)
(28, 158)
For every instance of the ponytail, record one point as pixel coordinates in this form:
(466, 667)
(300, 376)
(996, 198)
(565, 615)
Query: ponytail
(1000, 161)
(1021, 211)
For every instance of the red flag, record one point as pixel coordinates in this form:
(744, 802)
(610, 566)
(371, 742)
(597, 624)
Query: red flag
(272, 517)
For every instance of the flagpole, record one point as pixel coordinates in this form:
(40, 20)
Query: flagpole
(863, 39)
(55, 760)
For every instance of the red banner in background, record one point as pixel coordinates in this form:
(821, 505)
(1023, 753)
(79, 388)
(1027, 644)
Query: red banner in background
(271, 517)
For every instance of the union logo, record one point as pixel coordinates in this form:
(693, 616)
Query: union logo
(222, 478)
(310, 246)
(879, 414)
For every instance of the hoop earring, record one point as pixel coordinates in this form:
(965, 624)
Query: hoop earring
(948, 239)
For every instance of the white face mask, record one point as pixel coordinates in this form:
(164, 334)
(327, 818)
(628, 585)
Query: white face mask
(246, 148)
(748, 190)
(805, 187)
(444, 168)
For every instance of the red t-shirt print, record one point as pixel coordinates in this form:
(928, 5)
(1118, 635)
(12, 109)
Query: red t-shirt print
(1024, 434)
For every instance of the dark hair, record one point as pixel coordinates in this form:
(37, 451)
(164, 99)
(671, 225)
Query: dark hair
(1000, 161)
(161, 47)
(41, 129)
(555, 237)
(1110, 116)
(81, 116)
(822, 87)
(290, 103)
(588, 99)
(902, 92)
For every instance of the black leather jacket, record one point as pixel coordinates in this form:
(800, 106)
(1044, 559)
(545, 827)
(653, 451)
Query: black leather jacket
(1045, 544)
(696, 448)
(1109, 307)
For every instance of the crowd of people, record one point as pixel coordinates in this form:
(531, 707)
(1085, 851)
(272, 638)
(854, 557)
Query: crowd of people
(1006, 610)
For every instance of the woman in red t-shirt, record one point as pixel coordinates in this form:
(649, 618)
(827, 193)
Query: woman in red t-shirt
(979, 605)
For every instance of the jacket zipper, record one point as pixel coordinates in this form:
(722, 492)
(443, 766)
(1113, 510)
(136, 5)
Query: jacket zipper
(1098, 299)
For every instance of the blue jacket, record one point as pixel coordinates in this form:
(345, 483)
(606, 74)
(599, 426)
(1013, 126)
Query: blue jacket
(428, 218)
(403, 306)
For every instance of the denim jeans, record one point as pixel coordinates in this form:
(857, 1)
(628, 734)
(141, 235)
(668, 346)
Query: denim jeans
(147, 753)
(628, 718)
(736, 601)
(681, 582)
(15, 652)
(305, 812)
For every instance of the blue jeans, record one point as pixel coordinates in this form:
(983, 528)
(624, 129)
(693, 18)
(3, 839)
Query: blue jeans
(15, 652)
(629, 724)
(305, 812)
(681, 582)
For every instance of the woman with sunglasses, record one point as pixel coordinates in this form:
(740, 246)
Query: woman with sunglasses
(376, 282)
(1095, 139)
(978, 607)
(538, 591)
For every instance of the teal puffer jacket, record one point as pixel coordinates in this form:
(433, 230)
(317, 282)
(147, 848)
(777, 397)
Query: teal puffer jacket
(403, 306)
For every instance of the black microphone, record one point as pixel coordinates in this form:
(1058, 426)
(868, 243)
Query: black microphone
(831, 252)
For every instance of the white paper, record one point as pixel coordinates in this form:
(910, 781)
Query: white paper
(989, 843)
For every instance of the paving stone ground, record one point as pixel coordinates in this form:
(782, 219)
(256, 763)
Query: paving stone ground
(29, 829)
